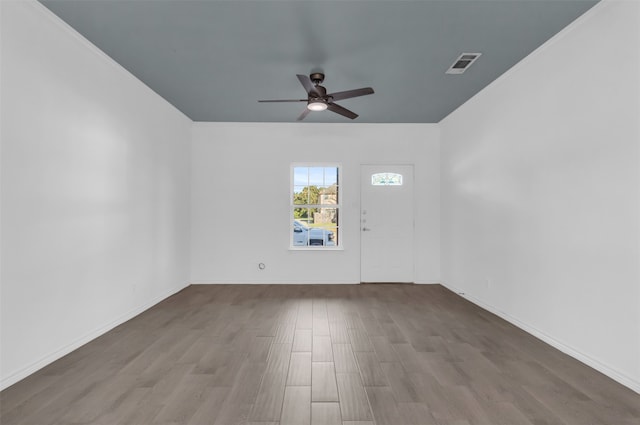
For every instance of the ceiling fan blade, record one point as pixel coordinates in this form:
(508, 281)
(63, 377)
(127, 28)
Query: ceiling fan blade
(342, 111)
(307, 84)
(303, 115)
(284, 100)
(351, 93)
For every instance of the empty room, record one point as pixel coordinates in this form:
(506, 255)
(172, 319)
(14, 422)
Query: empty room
(308, 212)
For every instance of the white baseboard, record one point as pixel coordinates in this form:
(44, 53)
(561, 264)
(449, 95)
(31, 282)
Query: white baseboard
(63, 351)
(291, 282)
(612, 373)
(267, 282)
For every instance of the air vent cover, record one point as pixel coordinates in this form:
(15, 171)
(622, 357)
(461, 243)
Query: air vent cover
(463, 62)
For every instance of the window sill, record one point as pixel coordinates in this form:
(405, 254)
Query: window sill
(313, 248)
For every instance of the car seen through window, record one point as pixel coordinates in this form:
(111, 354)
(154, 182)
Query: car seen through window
(304, 235)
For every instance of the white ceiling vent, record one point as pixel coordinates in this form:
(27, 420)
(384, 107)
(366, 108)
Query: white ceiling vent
(463, 62)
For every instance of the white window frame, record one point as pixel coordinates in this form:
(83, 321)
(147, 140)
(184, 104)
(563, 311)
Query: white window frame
(337, 206)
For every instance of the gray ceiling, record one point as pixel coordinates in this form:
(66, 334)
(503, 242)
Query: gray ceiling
(213, 59)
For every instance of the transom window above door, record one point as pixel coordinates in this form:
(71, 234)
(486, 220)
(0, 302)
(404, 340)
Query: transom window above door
(315, 206)
(386, 179)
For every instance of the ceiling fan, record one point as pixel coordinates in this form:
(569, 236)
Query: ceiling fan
(318, 99)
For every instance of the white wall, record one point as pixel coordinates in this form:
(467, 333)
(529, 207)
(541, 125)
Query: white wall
(240, 202)
(541, 192)
(540, 180)
(95, 192)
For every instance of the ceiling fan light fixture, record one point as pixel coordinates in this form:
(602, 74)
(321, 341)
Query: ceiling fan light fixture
(316, 105)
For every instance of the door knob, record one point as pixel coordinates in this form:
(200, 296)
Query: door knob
(366, 229)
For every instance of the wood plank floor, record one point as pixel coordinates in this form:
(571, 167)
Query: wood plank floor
(318, 355)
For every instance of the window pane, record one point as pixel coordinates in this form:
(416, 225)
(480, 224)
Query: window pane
(300, 176)
(300, 233)
(302, 215)
(333, 235)
(316, 176)
(325, 217)
(300, 195)
(328, 195)
(330, 176)
(386, 179)
(307, 195)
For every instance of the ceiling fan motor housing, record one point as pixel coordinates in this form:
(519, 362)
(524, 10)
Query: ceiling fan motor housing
(317, 78)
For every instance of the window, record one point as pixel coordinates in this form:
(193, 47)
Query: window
(386, 179)
(315, 206)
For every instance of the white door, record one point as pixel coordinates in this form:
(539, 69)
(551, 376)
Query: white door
(386, 223)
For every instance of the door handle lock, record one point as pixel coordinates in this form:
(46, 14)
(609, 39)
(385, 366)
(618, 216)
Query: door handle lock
(366, 229)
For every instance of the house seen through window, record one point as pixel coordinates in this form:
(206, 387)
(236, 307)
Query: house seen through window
(315, 206)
